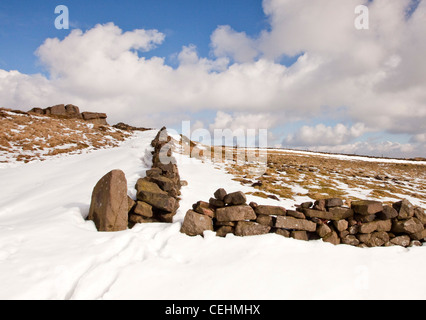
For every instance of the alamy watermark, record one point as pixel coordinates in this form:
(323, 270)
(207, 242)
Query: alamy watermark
(239, 147)
(362, 20)
(62, 21)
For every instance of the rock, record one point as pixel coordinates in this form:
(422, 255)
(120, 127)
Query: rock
(283, 232)
(300, 235)
(306, 205)
(235, 213)
(403, 241)
(220, 194)
(73, 111)
(225, 224)
(350, 240)
(405, 209)
(319, 205)
(235, 198)
(204, 208)
(409, 226)
(254, 205)
(137, 219)
(365, 219)
(143, 209)
(151, 193)
(379, 225)
(249, 228)
(109, 208)
(295, 214)
(93, 115)
(353, 230)
(387, 213)
(341, 225)
(224, 231)
(183, 183)
(195, 224)
(270, 210)
(363, 237)
(266, 220)
(273, 197)
(165, 184)
(323, 230)
(216, 203)
(366, 207)
(415, 243)
(58, 110)
(295, 224)
(378, 239)
(336, 213)
(420, 214)
(332, 238)
(130, 203)
(154, 172)
(421, 235)
(333, 202)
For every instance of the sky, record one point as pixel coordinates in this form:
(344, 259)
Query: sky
(298, 68)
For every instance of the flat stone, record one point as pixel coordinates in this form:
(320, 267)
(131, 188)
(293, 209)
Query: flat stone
(291, 223)
(204, 208)
(224, 231)
(270, 210)
(235, 213)
(350, 240)
(367, 207)
(283, 232)
(337, 213)
(295, 214)
(249, 228)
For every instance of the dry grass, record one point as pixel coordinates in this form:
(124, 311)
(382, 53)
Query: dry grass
(290, 175)
(25, 137)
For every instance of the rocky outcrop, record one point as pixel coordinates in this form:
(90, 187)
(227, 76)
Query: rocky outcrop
(110, 204)
(70, 111)
(158, 193)
(363, 224)
(126, 127)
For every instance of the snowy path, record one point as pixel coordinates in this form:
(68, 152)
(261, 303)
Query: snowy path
(48, 251)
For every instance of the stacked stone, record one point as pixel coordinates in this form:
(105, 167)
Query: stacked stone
(363, 224)
(158, 193)
(70, 111)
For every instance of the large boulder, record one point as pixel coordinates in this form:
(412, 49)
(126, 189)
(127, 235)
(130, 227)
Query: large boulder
(109, 207)
(195, 224)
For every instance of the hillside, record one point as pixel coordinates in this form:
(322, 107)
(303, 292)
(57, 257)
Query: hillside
(49, 251)
(26, 137)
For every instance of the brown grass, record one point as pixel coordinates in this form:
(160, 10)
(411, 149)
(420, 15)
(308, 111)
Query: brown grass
(24, 137)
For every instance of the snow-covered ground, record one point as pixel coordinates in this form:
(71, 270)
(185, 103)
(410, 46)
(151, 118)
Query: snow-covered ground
(48, 250)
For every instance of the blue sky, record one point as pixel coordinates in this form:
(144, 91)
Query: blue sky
(297, 67)
(25, 24)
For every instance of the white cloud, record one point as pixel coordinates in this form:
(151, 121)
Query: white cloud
(322, 135)
(375, 77)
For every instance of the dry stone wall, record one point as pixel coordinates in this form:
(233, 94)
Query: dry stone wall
(157, 194)
(363, 224)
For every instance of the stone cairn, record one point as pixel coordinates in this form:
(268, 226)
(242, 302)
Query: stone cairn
(158, 193)
(363, 224)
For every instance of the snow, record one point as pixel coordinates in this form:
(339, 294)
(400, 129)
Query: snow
(48, 250)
